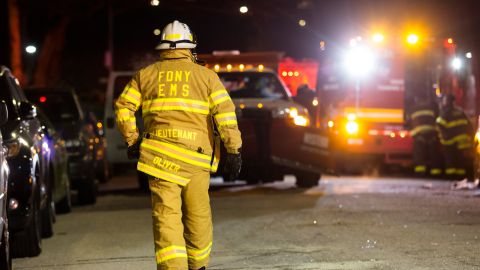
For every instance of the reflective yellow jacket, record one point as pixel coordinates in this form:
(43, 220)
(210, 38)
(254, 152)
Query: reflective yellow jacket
(178, 99)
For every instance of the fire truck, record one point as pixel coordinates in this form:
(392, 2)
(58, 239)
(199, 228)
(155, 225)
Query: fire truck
(367, 88)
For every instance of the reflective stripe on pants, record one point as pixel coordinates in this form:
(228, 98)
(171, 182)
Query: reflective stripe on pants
(182, 222)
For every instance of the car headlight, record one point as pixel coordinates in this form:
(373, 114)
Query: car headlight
(299, 119)
(12, 148)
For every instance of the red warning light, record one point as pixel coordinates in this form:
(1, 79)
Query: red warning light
(43, 99)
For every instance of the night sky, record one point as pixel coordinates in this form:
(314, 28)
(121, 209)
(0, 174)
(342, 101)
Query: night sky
(269, 25)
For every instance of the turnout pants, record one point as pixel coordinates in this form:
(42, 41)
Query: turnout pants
(426, 155)
(458, 162)
(182, 222)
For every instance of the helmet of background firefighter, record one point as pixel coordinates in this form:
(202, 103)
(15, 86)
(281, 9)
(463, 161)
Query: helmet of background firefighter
(177, 35)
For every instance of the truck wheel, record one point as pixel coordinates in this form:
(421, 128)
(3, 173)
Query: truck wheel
(143, 181)
(307, 179)
(87, 191)
(28, 243)
(5, 258)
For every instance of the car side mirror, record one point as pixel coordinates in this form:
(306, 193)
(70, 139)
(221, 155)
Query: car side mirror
(3, 113)
(27, 111)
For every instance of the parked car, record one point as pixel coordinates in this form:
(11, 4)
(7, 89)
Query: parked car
(63, 108)
(5, 258)
(30, 211)
(58, 172)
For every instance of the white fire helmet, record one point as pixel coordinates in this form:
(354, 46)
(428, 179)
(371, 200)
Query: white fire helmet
(177, 35)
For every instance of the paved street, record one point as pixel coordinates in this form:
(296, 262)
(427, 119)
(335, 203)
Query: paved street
(344, 223)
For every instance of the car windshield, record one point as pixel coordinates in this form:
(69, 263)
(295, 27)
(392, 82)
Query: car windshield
(58, 106)
(253, 85)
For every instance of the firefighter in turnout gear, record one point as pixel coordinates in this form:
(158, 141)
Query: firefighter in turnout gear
(426, 154)
(181, 103)
(456, 137)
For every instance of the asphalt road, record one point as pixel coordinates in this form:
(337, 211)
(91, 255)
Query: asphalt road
(344, 223)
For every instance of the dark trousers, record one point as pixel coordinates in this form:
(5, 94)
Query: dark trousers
(458, 162)
(427, 158)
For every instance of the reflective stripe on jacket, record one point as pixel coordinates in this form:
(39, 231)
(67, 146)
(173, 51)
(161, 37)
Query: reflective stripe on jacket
(455, 128)
(423, 119)
(180, 101)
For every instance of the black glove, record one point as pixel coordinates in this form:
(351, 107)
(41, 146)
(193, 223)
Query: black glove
(133, 151)
(233, 164)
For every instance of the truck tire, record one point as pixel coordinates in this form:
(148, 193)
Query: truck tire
(142, 179)
(5, 257)
(307, 179)
(28, 243)
(87, 191)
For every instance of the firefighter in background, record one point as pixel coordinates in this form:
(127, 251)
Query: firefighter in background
(426, 154)
(456, 137)
(305, 97)
(180, 102)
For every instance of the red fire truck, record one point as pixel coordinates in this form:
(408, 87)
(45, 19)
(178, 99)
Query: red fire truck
(362, 93)
(367, 89)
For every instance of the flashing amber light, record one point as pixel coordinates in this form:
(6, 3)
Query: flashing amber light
(412, 39)
(403, 134)
(352, 127)
(261, 67)
(242, 106)
(241, 67)
(260, 105)
(284, 74)
(296, 73)
(217, 67)
(330, 124)
(43, 99)
(392, 135)
(229, 67)
(315, 102)
(290, 74)
(99, 125)
(450, 40)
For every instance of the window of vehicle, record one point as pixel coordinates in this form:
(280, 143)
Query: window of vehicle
(253, 85)
(58, 106)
